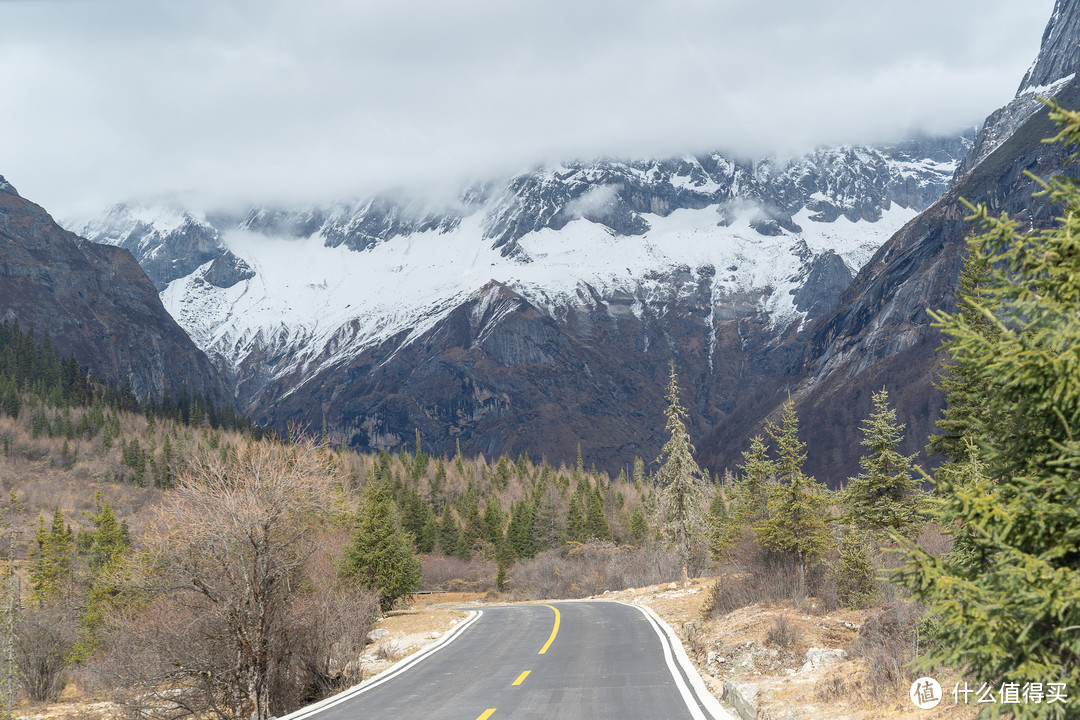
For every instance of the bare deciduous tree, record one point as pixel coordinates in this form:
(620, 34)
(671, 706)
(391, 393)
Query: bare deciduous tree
(239, 617)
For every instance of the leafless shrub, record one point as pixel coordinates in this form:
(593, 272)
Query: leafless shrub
(784, 635)
(887, 640)
(389, 651)
(583, 569)
(43, 641)
(453, 574)
(755, 574)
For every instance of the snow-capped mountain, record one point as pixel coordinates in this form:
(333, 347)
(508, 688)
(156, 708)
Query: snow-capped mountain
(522, 314)
(879, 334)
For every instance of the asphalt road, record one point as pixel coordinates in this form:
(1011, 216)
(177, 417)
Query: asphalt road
(567, 660)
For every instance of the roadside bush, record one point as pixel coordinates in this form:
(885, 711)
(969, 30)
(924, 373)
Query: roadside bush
(888, 640)
(43, 641)
(784, 635)
(755, 574)
(583, 569)
(452, 574)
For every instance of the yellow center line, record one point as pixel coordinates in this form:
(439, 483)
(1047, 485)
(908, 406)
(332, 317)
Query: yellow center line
(487, 713)
(554, 631)
(521, 677)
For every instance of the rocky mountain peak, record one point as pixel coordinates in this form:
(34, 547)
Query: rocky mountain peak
(1059, 55)
(6, 187)
(1055, 66)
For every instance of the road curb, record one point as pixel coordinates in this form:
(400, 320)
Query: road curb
(387, 674)
(707, 699)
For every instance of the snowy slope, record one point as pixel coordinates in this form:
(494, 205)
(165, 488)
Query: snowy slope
(282, 292)
(306, 297)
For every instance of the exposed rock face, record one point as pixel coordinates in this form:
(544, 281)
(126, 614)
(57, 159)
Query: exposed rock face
(880, 334)
(1057, 62)
(168, 242)
(539, 313)
(94, 301)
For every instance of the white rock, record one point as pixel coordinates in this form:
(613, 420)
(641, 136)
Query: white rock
(822, 657)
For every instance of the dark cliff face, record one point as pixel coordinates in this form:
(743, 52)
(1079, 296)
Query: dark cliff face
(94, 301)
(880, 335)
(501, 375)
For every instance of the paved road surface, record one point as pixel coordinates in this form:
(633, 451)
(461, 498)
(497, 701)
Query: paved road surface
(568, 660)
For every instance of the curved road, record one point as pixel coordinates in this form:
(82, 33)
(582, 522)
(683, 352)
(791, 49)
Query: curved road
(567, 660)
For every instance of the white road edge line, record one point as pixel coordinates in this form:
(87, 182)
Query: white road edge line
(387, 674)
(672, 643)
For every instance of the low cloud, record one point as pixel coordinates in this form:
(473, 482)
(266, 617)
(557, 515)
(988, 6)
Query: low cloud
(238, 101)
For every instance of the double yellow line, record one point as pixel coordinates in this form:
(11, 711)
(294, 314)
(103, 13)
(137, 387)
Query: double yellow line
(521, 678)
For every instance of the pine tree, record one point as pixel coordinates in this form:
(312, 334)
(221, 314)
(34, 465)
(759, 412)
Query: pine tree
(381, 557)
(596, 524)
(797, 520)
(966, 416)
(750, 499)
(576, 526)
(885, 496)
(637, 526)
(1016, 616)
(449, 532)
(51, 557)
(681, 485)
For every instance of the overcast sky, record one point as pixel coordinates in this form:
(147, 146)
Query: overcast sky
(225, 101)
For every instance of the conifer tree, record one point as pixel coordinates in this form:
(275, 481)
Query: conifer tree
(681, 484)
(519, 534)
(885, 496)
(449, 533)
(966, 416)
(381, 557)
(797, 520)
(1016, 615)
(855, 573)
(51, 557)
(494, 517)
(750, 499)
(547, 527)
(595, 521)
(576, 523)
(637, 526)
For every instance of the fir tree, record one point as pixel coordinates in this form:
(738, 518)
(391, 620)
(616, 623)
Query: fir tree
(576, 524)
(885, 496)
(750, 499)
(855, 573)
(381, 557)
(596, 524)
(520, 533)
(637, 526)
(966, 416)
(1016, 615)
(51, 558)
(681, 485)
(797, 521)
(494, 517)
(449, 533)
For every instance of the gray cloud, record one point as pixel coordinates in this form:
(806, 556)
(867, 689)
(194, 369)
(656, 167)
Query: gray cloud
(237, 100)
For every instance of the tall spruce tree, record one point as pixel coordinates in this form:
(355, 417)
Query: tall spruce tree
(381, 556)
(750, 499)
(797, 521)
(52, 555)
(885, 496)
(1017, 616)
(680, 509)
(966, 416)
